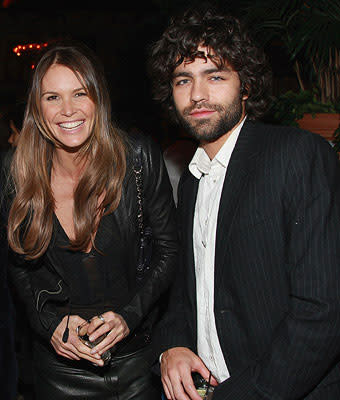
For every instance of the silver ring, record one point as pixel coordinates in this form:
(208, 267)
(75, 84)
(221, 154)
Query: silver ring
(101, 318)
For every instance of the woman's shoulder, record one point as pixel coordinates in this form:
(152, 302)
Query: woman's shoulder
(141, 145)
(136, 139)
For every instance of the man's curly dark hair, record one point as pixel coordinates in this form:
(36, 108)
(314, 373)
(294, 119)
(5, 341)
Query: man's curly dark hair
(227, 41)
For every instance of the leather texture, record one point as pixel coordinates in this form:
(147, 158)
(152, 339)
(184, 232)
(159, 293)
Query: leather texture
(40, 283)
(41, 286)
(125, 378)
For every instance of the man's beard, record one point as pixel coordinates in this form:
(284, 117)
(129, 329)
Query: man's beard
(204, 130)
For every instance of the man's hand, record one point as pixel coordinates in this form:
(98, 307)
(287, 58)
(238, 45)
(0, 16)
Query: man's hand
(177, 366)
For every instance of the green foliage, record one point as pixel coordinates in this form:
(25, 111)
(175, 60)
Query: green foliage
(319, 31)
(309, 30)
(290, 106)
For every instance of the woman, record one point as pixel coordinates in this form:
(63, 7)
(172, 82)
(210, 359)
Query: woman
(73, 231)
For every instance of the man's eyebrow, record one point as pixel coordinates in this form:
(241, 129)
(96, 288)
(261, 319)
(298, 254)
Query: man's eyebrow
(216, 69)
(181, 73)
(207, 71)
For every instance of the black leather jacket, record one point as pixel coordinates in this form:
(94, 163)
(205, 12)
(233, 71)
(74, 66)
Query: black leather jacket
(41, 285)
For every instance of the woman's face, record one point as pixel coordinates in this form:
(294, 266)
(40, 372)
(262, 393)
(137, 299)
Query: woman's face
(67, 109)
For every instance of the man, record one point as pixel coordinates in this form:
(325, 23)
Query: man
(256, 302)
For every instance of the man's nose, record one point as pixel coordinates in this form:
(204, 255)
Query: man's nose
(199, 92)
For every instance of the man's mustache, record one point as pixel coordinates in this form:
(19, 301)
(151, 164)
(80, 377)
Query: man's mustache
(209, 107)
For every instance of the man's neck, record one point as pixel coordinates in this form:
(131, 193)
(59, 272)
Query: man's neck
(212, 148)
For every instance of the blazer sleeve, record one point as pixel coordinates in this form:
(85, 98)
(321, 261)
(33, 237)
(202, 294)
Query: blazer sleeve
(306, 345)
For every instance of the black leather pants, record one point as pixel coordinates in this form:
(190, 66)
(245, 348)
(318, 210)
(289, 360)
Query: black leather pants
(127, 377)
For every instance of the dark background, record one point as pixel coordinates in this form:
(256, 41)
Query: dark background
(120, 32)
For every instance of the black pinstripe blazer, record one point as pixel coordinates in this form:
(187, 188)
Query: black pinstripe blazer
(277, 268)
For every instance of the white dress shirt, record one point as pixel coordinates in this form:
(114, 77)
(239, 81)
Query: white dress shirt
(211, 174)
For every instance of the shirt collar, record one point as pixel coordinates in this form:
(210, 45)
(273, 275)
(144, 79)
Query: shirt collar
(201, 163)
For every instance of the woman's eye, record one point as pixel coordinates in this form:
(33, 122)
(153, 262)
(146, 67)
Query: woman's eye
(51, 97)
(79, 94)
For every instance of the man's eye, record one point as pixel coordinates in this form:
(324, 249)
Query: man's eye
(216, 78)
(182, 82)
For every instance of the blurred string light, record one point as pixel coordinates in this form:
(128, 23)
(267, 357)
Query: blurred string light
(21, 48)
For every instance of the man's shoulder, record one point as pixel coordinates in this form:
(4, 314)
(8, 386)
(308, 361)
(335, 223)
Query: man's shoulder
(284, 131)
(287, 138)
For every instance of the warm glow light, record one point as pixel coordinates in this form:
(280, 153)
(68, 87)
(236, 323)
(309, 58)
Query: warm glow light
(7, 3)
(29, 46)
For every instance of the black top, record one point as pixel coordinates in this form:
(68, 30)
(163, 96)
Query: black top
(51, 283)
(97, 280)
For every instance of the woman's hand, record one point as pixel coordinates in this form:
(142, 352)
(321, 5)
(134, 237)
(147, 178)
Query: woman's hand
(74, 348)
(111, 324)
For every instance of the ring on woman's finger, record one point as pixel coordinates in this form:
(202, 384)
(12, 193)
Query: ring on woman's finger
(101, 318)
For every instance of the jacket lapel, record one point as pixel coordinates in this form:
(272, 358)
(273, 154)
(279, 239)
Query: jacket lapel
(238, 171)
(190, 188)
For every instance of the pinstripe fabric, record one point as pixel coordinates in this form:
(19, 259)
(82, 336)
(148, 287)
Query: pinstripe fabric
(277, 268)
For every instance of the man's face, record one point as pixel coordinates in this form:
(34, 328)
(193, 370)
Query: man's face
(207, 99)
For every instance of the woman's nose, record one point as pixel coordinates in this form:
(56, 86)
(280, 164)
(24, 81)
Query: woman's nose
(67, 107)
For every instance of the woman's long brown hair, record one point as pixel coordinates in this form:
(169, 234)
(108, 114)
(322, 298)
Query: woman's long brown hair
(30, 223)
